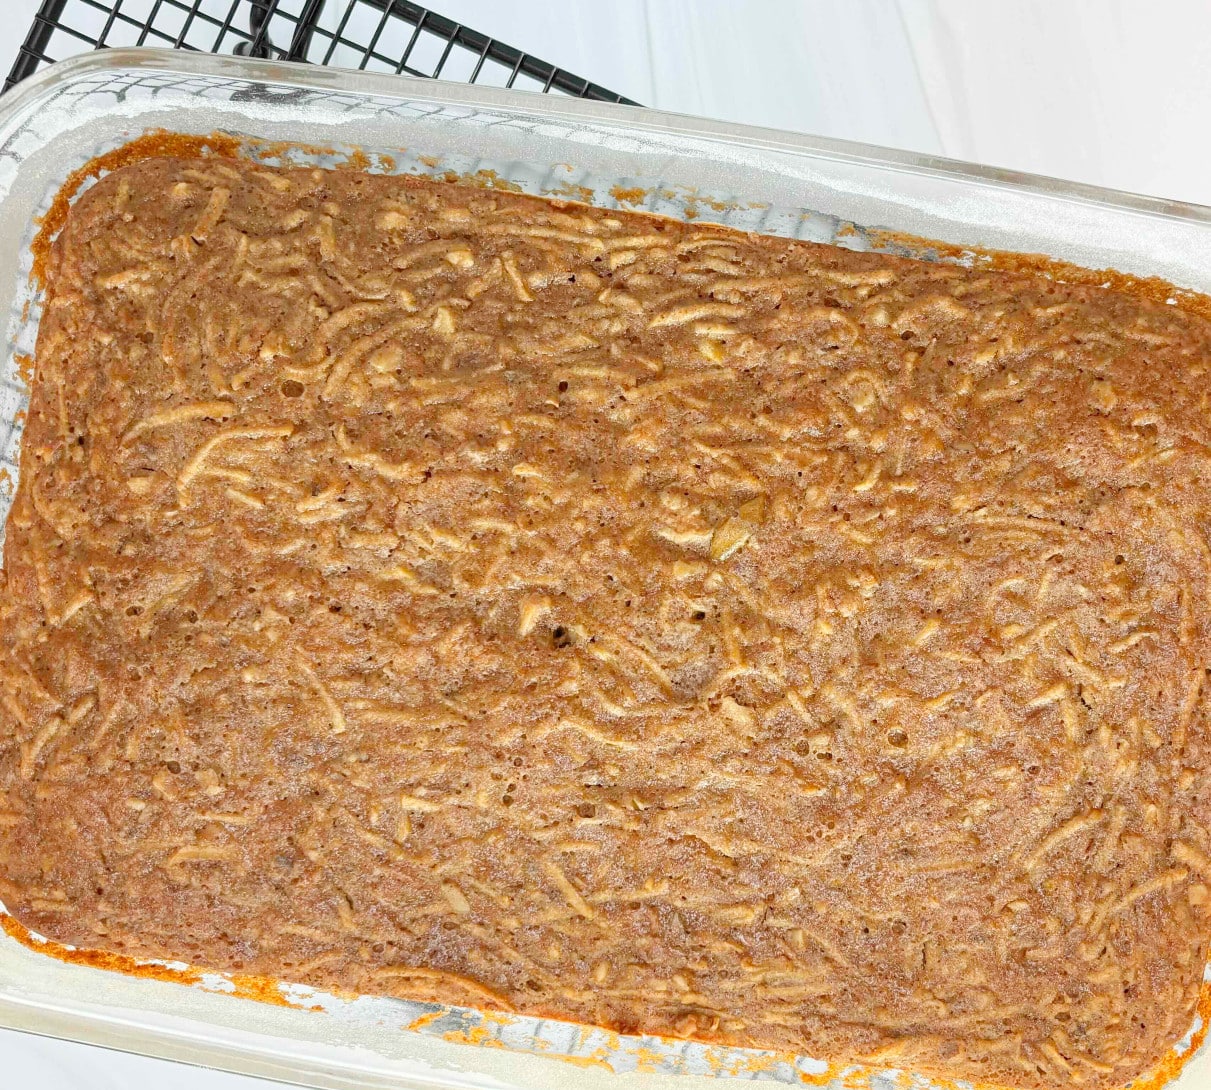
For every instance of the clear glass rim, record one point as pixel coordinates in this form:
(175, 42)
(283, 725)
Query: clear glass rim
(559, 107)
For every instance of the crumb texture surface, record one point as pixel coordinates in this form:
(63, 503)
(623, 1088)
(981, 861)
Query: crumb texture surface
(431, 591)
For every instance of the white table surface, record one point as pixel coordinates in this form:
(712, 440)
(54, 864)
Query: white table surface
(1114, 93)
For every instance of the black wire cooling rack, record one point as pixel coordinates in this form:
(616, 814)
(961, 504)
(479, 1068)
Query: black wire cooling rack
(376, 35)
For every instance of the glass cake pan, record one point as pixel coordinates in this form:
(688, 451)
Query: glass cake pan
(614, 156)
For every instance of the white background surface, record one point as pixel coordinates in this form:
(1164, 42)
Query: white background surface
(1114, 92)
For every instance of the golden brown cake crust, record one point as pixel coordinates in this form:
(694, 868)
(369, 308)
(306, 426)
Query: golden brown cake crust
(430, 591)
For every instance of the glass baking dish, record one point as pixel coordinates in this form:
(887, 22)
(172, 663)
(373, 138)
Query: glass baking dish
(614, 156)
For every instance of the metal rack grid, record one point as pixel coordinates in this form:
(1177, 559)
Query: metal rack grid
(376, 35)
